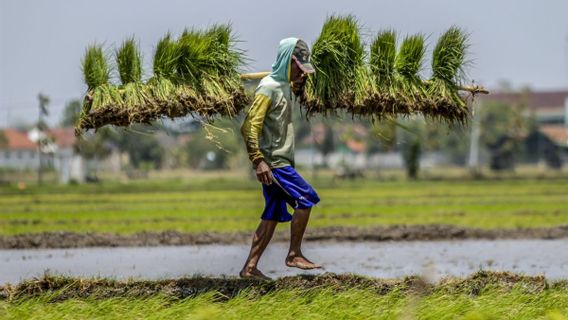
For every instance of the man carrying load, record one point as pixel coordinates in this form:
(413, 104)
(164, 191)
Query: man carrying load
(269, 137)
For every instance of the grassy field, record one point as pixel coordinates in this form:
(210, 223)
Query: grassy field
(489, 296)
(234, 204)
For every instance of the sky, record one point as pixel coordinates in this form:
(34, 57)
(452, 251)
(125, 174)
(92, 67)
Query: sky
(42, 42)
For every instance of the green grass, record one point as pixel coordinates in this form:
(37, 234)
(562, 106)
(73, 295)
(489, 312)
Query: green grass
(228, 205)
(319, 304)
(325, 302)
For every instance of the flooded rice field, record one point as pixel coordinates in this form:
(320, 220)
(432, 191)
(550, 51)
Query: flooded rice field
(432, 259)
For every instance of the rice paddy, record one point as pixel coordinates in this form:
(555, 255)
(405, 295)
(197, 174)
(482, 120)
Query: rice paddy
(198, 206)
(234, 205)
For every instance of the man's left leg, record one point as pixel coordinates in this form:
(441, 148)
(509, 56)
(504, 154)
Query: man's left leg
(260, 241)
(295, 257)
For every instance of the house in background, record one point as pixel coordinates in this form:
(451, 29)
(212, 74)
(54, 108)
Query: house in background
(550, 110)
(549, 107)
(66, 161)
(20, 152)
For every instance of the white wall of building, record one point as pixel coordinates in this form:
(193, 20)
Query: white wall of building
(384, 160)
(19, 159)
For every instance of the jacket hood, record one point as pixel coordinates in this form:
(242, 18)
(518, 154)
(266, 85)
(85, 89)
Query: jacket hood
(281, 67)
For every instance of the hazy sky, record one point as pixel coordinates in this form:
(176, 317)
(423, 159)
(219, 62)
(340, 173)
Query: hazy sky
(42, 42)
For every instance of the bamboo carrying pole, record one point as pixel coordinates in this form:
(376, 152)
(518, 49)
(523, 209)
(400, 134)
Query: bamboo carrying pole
(260, 75)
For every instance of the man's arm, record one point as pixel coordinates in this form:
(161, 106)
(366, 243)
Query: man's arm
(251, 130)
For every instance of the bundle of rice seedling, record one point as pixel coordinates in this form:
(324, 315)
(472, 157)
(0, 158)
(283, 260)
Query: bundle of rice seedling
(383, 57)
(196, 74)
(448, 61)
(341, 76)
(162, 85)
(409, 60)
(100, 93)
(136, 96)
(129, 62)
(165, 58)
(382, 64)
(208, 63)
(96, 70)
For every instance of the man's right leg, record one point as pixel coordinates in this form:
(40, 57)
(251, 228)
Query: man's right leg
(295, 257)
(260, 240)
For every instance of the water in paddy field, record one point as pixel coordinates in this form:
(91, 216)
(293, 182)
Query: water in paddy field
(433, 259)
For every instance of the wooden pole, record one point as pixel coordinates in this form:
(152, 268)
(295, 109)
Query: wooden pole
(260, 75)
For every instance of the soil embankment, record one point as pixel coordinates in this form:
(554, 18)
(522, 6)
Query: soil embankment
(174, 238)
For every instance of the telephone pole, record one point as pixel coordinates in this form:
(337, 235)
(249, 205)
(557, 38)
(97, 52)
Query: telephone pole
(43, 102)
(473, 161)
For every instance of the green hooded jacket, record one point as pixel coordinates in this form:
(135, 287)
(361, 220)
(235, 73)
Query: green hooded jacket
(268, 130)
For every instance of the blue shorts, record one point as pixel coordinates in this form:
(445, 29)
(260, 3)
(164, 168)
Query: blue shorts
(289, 188)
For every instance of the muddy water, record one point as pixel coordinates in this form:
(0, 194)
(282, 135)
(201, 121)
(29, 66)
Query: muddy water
(433, 259)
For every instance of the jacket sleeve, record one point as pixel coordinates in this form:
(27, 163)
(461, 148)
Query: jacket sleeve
(252, 126)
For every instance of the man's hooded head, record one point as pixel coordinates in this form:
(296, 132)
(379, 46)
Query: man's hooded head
(291, 50)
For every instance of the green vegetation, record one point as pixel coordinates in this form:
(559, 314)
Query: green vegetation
(383, 56)
(389, 82)
(408, 64)
(448, 64)
(96, 73)
(382, 63)
(96, 69)
(482, 296)
(129, 61)
(338, 57)
(197, 73)
(231, 204)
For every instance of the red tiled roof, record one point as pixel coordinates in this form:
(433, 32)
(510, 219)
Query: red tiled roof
(63, 137)
(18, 140)
(356, 146)
(558, 134)
(534, 100)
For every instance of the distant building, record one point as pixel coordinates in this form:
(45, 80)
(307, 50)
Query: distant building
(550, 109)
(66, 161)
(21, 153)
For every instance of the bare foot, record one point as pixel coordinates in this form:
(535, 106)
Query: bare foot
(253, 273)
(301, 262)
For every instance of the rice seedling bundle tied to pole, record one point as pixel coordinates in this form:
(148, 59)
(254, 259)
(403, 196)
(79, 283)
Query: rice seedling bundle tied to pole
(198, 74)
(387, 82)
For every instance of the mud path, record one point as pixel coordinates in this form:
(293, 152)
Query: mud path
(173, 238)
(432, 259)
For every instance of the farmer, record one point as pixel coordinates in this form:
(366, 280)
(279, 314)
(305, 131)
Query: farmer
(269, 137)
